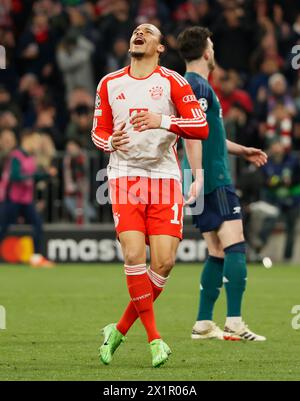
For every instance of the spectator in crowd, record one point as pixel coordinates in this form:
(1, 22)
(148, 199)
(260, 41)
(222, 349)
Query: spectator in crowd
(18, 178)
(9, 111)
(7, 103)
(76, 185)
(29, 93)
(242, 127)
(232, 31)
(9, 120)
(276, 107)
(80, 96)
(229, 93)
(259, 82)
(81, 111)
(119, 56)
(81, 22)
(46, 121)
(170, 58)
(296, 137)
(8, 142)
(115, 22)
(147, 10)
(45, 160)
(9, 76)
(279, 123)
(74, 60)
(282, 189)
(194, 12)
(278, 92)
(296, 27)
(37, 48)
(47, 151)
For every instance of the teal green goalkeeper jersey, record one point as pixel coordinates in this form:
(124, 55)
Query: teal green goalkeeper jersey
(215, 161)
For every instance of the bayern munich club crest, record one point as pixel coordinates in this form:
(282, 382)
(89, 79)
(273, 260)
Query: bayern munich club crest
(156, 92)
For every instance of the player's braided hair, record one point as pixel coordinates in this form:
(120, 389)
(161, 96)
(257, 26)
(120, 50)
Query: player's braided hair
(192, 42)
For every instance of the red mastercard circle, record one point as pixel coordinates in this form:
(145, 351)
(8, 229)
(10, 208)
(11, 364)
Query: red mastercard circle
(10, 249)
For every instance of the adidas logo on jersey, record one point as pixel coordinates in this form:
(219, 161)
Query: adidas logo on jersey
(121, 96)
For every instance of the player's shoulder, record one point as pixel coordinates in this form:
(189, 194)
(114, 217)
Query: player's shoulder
(112, 76)
(174, 77)
(202, 89)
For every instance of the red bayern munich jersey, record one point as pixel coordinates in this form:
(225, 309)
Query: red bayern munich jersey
(152, 153)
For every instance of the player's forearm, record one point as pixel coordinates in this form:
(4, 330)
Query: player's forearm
(234, 148)
(102, 139)
(103, 142)
(194, 155)
(188, 128)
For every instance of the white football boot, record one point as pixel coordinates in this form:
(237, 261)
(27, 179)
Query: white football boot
(206, 330)
(240, 332)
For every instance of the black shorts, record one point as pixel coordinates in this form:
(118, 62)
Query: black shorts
(223, 204)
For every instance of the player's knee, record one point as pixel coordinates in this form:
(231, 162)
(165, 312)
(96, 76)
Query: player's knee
(133, 257)
(239, 247)
(216, 253)
(216, 250)
(219, 255)
(164, 266)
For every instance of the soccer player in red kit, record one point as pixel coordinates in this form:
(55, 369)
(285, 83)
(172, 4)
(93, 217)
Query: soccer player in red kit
(140, 112)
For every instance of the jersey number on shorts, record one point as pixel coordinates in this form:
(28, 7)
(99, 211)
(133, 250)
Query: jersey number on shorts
(175, 209)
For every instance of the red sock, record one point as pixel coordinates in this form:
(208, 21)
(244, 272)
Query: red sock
(130, 315)
(140, 291)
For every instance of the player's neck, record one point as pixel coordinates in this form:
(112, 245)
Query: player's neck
(199, 67)
(142, 68)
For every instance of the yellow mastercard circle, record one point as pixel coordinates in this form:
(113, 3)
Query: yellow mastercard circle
(25, 249)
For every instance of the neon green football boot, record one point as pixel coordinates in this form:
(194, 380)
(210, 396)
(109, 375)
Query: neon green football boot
(160, 352)
(112, 340)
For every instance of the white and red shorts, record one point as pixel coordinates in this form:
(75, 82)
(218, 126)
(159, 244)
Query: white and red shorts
(151, 206)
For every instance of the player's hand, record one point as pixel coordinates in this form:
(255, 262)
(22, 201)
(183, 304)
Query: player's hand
(194, 192)
(120, 139)
(255, 156)
(145, 120)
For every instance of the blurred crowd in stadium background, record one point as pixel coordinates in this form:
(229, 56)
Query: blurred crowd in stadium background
(57, 51)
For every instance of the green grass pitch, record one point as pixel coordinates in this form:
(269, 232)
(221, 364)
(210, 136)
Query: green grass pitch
(54, 317)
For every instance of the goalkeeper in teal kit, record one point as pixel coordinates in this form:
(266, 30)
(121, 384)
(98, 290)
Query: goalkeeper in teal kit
(221, 220)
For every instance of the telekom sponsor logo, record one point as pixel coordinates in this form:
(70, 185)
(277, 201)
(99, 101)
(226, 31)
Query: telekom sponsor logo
(133, 112)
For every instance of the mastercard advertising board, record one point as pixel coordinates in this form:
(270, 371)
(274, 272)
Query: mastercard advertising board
(15, 249)
(77, 245)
